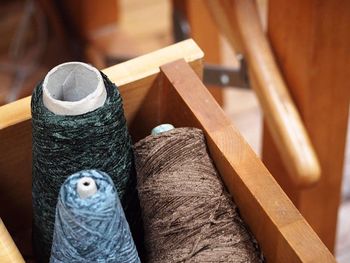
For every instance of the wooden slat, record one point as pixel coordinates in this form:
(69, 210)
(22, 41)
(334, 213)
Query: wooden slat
(280, 229)
(311, 42)
(239, 21)
(140, 88)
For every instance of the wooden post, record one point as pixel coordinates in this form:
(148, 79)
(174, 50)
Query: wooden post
(205, 33)
(311, 42)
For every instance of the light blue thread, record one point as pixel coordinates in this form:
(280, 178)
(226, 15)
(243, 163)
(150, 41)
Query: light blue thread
(63, 145)
(162, 128)
(92, 229)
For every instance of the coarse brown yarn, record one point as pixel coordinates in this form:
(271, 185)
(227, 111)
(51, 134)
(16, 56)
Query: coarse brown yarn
(188, 215)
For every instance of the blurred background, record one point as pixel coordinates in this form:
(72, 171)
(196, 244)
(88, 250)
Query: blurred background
(39, 34)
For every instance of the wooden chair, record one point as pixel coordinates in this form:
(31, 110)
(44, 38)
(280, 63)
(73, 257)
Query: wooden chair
(166, 86)
(308, 62)
(316, 69)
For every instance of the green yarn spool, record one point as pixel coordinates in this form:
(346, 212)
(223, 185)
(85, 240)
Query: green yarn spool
(63, 145)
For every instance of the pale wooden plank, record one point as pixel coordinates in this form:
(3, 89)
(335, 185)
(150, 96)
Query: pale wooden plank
(129, 72)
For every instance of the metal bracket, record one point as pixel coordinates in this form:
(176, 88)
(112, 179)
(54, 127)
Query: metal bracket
(213, 74)
(227, 76)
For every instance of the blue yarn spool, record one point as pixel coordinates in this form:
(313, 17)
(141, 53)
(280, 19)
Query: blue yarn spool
(63, 145)
(92, 229)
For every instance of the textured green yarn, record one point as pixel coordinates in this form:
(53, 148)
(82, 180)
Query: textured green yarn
(63, 145)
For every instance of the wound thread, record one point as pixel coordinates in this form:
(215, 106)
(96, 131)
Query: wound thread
(63, 145)
(92, 229)
(187, 213)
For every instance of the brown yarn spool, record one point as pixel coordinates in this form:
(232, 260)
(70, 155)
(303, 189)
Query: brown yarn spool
(188, 215)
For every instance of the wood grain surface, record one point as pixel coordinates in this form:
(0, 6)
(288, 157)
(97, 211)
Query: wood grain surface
(311, 42)
(239, 22)
(280, 229)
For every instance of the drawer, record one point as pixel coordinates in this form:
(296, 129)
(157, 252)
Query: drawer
(165, 87)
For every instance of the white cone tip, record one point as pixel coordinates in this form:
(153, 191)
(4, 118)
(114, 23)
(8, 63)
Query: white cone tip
(86, 187)
(162, 128)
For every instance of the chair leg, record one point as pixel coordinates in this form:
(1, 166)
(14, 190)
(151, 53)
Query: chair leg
(310, 40)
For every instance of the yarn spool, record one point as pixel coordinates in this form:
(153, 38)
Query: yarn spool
(90, 225)
(72, 140)
(187, 213)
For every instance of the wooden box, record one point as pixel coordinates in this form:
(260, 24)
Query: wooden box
(165, 87)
